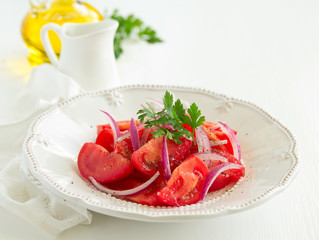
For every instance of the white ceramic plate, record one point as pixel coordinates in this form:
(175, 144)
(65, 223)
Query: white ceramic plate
(56, 137)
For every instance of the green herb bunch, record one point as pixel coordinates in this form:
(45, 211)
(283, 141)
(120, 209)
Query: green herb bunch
(131, 27)
(173, 114)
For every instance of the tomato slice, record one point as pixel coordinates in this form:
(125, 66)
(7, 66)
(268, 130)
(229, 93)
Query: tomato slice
(106, 139)
(186, 183)
(123, 125)
(147, 158)
(147, 196)
(131, 181)
(217, 135)
(124, 148)
(222, 136)
(178, 152)
(95, 161)
(227, 177)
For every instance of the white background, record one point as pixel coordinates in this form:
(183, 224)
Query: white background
(266, 52)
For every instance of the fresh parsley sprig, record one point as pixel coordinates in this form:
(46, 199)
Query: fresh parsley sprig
(131, 27)
(170, 120)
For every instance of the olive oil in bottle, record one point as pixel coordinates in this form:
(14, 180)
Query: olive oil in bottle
(59, 12)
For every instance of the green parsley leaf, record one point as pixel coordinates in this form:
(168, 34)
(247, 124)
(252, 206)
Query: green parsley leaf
(131, 27)
(178, 110)
(168, 102)
(144, 113)
(174, 115)
(195, 116)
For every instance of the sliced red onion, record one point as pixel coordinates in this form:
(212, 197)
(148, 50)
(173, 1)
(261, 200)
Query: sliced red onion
(202, 140)
(128, 133)
(165, 160)
(156, 102)
(233, 140)
(124, 136)
(218, 143)
(213, 174)
(131, 191)
(134, 135)
(211, 157)
(114, 126)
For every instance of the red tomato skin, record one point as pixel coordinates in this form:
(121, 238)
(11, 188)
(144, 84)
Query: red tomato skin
(106, 139)
(145, 197)
(178, 152)
(147, 158)
(123, 126)
(95, 161)
(189, 128)
(124, 148)
(193, 149)
(229, 176)
(222, 136)
(131, 181)
(217, 135)
(220, 182)
(148, 196)
(186, 183)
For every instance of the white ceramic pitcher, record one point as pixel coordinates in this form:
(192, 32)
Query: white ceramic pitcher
(87, 53)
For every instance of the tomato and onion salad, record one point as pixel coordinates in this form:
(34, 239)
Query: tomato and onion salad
(128, 162)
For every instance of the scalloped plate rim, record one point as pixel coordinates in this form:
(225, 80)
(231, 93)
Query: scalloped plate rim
(144, 215)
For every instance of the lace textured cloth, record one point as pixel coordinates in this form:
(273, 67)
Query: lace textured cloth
(20, 192)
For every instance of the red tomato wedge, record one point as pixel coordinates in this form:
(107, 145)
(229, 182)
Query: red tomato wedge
(95, 161)
(133, 180)
(123, 125)
(217, 135)
(223, 136)
(147, 196)
(186, 183)
(106, 139)
(124, 148)
(147, 159)
(227, 177)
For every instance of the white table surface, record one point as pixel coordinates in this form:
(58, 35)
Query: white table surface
(266, 52)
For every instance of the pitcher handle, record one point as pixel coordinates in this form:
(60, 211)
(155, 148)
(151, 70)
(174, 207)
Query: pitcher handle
(46, 41)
